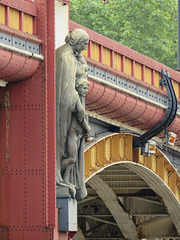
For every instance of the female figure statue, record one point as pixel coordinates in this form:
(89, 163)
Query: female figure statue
(70, 65)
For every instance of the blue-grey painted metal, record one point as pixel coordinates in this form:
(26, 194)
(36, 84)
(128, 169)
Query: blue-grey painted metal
(168, 119)
(32, 47)
(173, 156)
(132, 87)
(178, 108)
(99, 127)
(161, 99)
(128, 85)
(19, 43)
(91, 70)
(67, 213)
(6, 39)
(111, 78)
(142, 91)
(121, 82)
(99, 73)
(153, 96)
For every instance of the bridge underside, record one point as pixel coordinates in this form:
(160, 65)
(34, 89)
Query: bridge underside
(135, 198)
(127, 198)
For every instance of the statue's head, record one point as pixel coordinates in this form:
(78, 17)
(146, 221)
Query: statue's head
(82, 85)
(77, 39)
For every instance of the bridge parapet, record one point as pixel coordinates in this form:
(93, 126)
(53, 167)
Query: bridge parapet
(20, 15)
(110, 55)
(20, 47)
(125, 85)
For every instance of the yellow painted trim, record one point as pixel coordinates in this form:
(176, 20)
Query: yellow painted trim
(148, 75)
(157, 77)
(117, 61)
(13, 18)
(138, 71)
(85, 52)
(2, 14)
(127, 66)
(106, 56)
(95, 51)
(118, 148)
(28, 23)
(176, 88)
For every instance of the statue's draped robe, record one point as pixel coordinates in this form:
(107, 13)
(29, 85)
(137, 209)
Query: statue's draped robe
(66, 98)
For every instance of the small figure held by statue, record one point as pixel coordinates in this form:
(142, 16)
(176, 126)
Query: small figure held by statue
(72, 125)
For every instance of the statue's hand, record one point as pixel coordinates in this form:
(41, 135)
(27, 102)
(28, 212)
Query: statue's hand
(87, 131)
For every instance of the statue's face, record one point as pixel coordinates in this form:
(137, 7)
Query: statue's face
(83, 89)
(81, 46)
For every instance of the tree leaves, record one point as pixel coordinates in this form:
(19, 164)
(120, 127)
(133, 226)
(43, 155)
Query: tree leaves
(147, 26)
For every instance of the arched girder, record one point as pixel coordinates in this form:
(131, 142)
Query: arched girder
(118, 148)
(158, 186)
(109, 197)
(79, 236)
(155, 169)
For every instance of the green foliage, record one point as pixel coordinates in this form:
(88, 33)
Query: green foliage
(147, 26)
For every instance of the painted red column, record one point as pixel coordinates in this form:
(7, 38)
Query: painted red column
(28, 140)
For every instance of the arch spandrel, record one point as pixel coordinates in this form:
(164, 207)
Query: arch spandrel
(134, 178)
(107, 151)
(118, 148)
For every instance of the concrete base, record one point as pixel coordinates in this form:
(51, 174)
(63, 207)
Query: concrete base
(62, 190)
(66, 190)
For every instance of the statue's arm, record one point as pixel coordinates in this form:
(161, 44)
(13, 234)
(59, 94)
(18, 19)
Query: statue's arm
(80, 114)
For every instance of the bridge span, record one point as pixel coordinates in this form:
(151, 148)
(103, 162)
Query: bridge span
(130, 196)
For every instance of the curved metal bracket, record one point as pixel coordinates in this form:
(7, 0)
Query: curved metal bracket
(169, 117)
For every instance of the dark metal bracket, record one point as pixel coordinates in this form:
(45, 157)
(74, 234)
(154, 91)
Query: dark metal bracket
(169, 116)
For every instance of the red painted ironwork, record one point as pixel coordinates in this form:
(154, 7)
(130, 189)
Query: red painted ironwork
(27, 121)
(133, 68)
(20, 34)
(89, 49)
(101, 53)
(143, 72)
(152, 77)
(122, 63)
(16, 67)
(21, 21)
(124, 76)
(112, 59)
(21, 5)
(119, 106)
(7, 15)
(51, 114)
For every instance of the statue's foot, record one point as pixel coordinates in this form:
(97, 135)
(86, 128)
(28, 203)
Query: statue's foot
(72, 191)
(66, 185)
(72, 188)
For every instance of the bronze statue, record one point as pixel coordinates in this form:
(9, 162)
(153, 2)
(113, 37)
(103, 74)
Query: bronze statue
(72, 126)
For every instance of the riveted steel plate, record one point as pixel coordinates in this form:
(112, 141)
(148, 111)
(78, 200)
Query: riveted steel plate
(99, 73)
(111, 78)
(121, 82)
(5, 38)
